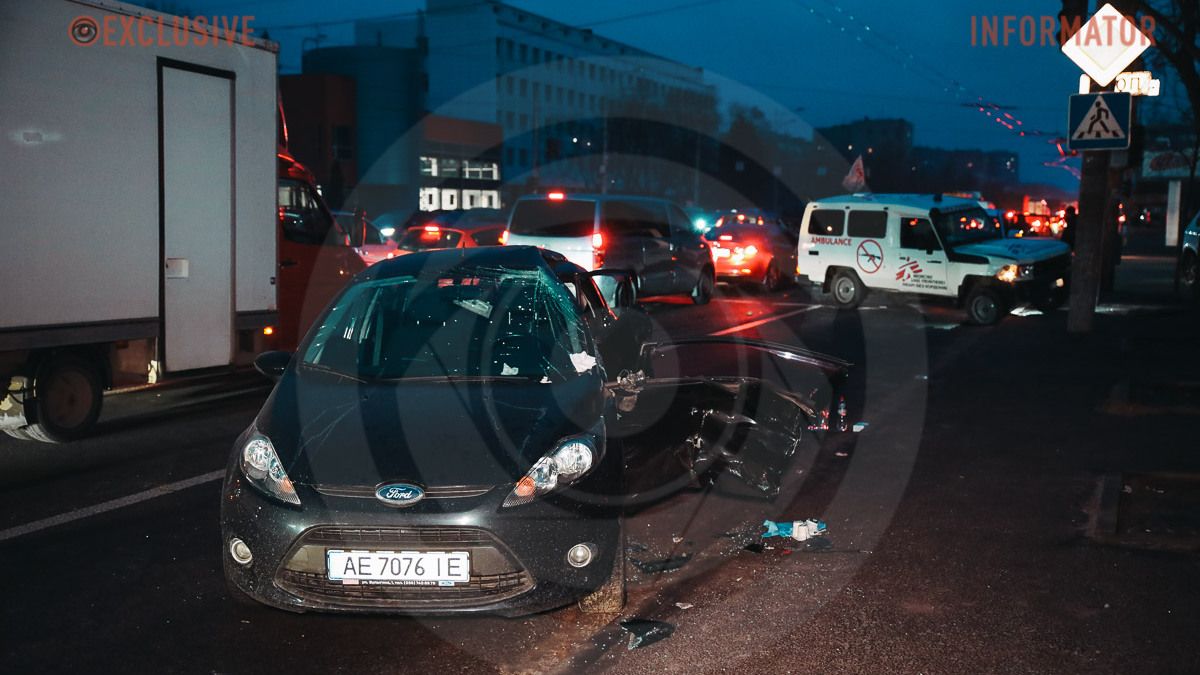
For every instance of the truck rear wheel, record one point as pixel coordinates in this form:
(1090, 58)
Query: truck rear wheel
(68, 394)
(847, 290)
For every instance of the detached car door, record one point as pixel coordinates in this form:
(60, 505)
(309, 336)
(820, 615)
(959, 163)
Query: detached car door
(720, 404)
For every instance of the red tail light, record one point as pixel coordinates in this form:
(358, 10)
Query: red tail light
(504, 237)
(597, 250)
(432, 228)
(556, 196)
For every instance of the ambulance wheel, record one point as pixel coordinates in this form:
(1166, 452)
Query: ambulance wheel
(847, 290)
(68, 395)
(984, 306)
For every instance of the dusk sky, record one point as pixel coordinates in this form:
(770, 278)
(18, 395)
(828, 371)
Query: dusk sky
(835, 60)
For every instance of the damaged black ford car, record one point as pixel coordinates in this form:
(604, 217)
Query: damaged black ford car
(463, 429)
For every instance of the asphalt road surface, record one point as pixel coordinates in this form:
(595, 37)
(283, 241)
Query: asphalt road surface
(957, 523)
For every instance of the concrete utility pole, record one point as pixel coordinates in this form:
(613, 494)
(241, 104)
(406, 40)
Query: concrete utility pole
(1089, 250)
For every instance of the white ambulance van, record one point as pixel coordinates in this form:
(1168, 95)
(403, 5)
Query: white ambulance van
(927, 245)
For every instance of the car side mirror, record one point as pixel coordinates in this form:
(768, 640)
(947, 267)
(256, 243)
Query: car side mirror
(272, 364)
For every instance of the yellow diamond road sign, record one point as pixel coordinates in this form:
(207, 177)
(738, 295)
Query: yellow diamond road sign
(1106, 44)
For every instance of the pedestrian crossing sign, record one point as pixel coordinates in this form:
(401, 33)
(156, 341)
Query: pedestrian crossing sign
(1099, 121)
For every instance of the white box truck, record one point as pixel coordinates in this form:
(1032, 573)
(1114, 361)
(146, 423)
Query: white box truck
(138, 184)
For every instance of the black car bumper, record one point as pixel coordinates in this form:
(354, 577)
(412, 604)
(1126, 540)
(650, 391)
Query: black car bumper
(518, 555)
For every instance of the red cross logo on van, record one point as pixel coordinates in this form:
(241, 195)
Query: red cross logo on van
(907, 270)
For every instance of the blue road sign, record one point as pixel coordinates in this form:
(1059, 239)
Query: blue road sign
(1099, 121)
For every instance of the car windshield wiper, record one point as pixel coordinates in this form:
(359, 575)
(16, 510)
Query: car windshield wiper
(332, 371)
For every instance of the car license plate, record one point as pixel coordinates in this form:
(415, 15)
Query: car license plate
(400, 568)
(721, 252)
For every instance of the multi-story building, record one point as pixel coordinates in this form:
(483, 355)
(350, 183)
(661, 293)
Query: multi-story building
(548, 85)
(459, 164)
(884, 145)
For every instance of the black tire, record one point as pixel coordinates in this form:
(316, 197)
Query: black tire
(68, 394)
(773, 278)
(1189, 276)
(703, 290)
(19, 434)
(984, 306)
(846, 289)
(610, 597)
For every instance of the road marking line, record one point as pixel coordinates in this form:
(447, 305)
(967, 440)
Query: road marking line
(762, 302)
(755, 324)
(111, 505)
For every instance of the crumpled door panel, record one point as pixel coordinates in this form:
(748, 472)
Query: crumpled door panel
(707, 406)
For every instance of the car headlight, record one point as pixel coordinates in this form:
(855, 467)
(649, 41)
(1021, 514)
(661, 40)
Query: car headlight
(1011, 273)
(263, 470)
(567, 463)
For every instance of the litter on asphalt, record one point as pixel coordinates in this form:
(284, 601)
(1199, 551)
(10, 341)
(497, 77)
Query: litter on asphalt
(643, 632)
(799, 530)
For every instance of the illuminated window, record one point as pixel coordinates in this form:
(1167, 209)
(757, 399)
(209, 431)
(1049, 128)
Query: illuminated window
(481, 170)
(429, 199)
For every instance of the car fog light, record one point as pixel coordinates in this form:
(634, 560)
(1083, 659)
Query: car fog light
(580, 555)
(240, 551)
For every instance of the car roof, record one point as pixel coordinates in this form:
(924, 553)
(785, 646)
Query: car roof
(916, 201)
(436, 261)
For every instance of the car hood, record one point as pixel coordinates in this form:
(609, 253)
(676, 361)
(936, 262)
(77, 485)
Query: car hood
(1017, 250)
(332, 430)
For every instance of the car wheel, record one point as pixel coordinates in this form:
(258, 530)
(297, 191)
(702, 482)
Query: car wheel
(847, 290)
(1189, 276)
(772, 278)
(609, 598)
(19, 434)
(984, 306)
(68, 396)
(703, 290)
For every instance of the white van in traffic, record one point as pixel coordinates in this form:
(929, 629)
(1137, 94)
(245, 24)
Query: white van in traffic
(928, 245)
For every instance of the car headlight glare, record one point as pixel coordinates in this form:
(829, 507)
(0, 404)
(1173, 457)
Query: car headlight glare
(263, 470)
(569, 462)
(1012, 273)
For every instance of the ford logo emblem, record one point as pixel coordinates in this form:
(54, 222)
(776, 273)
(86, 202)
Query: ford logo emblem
(399, 494)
